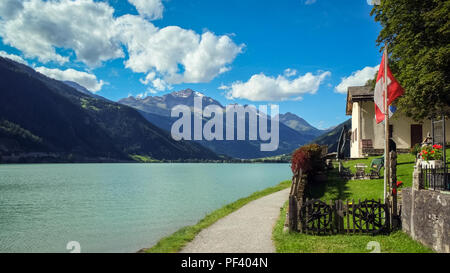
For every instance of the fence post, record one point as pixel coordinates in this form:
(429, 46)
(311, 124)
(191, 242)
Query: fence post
(393, 162)
(293, 213)
(417, 177)
(387, 215)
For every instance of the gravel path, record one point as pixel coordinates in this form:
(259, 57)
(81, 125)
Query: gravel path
(247, 230)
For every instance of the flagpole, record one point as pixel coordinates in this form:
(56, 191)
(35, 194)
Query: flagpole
(386, 127)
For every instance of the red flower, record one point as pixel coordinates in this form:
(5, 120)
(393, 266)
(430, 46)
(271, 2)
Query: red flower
(394, 191)
(399, 184)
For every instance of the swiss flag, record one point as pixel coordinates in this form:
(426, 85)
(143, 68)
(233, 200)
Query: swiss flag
(394, 90)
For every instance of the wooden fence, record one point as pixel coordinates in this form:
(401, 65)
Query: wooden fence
(339, 217)
(336, 217)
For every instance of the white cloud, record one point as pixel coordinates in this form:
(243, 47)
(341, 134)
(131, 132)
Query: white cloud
(223, 87)
(150, 9)
(264, 88)
(145, 94)
(160, 85)
(38, 28)
(13, 57)
(149, 78)
(290, 72)
(357, 78)
(89, 81)
(10, 8)
(56, 31)
(177, 55)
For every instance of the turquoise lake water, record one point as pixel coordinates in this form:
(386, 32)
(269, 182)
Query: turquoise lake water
(116, 207)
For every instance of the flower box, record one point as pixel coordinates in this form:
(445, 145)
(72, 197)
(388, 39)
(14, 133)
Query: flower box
(432, 164)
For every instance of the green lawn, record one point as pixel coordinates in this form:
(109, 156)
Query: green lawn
(175, 242)
(289, 242)
(337, 188)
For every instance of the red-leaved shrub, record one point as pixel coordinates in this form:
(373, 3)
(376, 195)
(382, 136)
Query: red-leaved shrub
(308, 158)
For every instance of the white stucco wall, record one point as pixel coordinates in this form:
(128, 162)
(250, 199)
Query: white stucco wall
(354, 148)
(363, 118)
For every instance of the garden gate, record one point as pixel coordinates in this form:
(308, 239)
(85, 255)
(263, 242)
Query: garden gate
(339, 217)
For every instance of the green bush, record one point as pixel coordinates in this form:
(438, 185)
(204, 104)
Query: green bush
(416, 149)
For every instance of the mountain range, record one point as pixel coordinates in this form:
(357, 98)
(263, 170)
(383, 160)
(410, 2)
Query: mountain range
(299, 124)
(331, 137)
(293, 130)
(42, 117)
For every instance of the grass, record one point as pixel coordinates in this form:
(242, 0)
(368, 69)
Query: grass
(290, 242)
(337, 188)
(86, 104)
(144, 159)
(179, 239)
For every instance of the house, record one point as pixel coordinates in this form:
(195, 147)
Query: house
(367, 137)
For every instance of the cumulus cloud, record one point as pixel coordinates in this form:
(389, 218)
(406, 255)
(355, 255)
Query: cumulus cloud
(357, 78)
(150, 9)
(149, 78)
(38, 28)
(290, 72)
(13, 57)
(170, 55)
(10, 8)
(160, 85)
(264, 88)
(176, 55)
(145, 94)
(223, 87)
(89, 81)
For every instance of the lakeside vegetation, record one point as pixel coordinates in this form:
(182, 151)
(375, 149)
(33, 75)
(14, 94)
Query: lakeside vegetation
(41, 157)
(175, 242)
(338, 188)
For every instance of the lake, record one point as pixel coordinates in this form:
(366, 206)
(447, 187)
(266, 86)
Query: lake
(116, 207)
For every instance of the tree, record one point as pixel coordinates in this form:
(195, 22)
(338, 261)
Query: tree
(418, 36)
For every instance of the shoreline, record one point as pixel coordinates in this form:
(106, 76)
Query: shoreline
(174, 242)
(249, 161)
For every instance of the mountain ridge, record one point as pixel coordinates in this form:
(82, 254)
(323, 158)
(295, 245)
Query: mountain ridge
(156, 109)
(299, 124)
(42, 115)
(331, 137)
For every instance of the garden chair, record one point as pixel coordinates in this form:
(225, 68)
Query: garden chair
(360, 171)
(376, 166)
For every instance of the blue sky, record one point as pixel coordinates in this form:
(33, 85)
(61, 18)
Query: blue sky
(326, 40)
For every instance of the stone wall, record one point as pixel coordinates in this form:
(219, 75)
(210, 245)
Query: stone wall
(426, 217)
